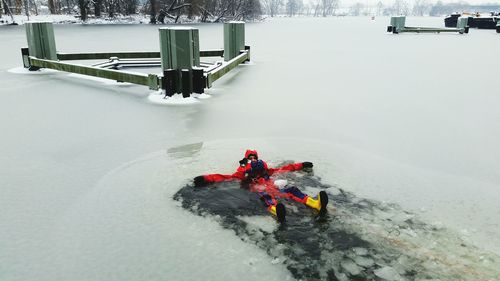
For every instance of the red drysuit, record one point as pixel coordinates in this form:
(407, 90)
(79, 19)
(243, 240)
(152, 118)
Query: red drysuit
(260, 179)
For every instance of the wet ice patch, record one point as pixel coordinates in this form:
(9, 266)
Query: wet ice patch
(186, 150)
(359, 239)
(259, 223)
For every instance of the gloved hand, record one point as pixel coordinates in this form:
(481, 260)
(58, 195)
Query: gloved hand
(243, 162)
(200, 181)
(307, 164)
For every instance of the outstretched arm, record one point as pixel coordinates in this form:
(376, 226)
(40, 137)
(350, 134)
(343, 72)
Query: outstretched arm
(211, 178)
(290, 168)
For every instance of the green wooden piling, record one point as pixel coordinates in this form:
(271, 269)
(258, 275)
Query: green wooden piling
(234, 39)
(398, 26)
(398, 23)
(462, 22)
(462, 25)
(41, 42)
(179, 49)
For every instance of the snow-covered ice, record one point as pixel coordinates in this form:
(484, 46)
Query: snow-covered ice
(89, 169)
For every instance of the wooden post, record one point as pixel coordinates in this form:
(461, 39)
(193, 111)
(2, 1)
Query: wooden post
(25, 54)
(187, 82)
(168, 82)
(179, 49)
(234, 39)
(398, 24)
(462, 25)
(199, 81)
(41, 42)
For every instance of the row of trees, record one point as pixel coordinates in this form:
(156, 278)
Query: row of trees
(397, 7)
(161, 11)
(158, 10)
(204, 10)
(332, 7)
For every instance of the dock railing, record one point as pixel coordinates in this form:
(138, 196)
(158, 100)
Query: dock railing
(182, 71)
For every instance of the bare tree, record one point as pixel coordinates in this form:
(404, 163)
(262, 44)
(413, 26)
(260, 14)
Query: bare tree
(112, 7)
(251, 9)
(272, 6)
(33, 6)
(153, 8)
(356, 9)
(83, 5)
(329, 7)
(7, 10)
(400, 7)
(19, 7)
(380, 8)
(52, 6)
(97, 8)
(6, 6)
(159, 10)
(293, 7)
(326, 7)
(129, 7)
(317, 8)
(420, 7)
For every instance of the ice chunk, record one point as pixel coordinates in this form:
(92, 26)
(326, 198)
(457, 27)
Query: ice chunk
(350, 267)
(363, 261)
(360, 251)
(275, 261)
(387, 273)
(280, 183)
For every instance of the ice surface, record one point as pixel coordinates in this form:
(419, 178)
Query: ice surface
(98, 79)
(77, 205)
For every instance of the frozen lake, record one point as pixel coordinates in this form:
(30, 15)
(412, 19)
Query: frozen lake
(88, 169)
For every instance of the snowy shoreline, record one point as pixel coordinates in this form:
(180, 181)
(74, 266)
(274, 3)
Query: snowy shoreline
(72, 19)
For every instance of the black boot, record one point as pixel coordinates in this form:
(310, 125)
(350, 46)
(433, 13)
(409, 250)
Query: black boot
(323, 198)
(280, 213)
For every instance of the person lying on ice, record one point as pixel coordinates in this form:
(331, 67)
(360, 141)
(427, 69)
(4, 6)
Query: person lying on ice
(258, 175)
